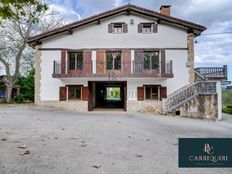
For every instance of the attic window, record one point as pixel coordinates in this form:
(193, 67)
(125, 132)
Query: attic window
(117, 27)
(147, 28)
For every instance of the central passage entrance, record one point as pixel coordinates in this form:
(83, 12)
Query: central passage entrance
(107, 95)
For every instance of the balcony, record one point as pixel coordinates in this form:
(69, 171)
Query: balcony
(115, 70)
(212, 73)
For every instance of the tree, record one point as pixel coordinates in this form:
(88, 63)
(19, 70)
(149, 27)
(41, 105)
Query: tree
(15, 8)
(15, 56)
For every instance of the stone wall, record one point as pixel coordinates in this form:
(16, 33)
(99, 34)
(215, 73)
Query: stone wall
(152, 106)
(191, 57)
(37, 74)
(203, 106)
(75, 105)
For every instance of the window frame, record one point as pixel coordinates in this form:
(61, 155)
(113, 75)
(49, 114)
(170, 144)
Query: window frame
(150, 61)
(151, 96)
(117, 25)
(76, 68)
(114, 61)
(75, 88)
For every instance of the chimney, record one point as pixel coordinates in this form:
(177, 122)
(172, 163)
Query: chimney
(165, 10)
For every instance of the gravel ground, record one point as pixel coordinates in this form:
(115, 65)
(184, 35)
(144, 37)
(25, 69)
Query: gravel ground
(99, 142)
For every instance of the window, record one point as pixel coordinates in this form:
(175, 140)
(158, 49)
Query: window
(75, 61)
(113, 60)
(74, 92)
(151, 60)
(151, 92)
(117, 28)
(147, 28)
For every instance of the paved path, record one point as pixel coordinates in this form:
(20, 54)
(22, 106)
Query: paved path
(102, 143)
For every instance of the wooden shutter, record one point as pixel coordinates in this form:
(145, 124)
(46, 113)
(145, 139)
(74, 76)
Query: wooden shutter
(87, 62)
(63, 62)
(125, 28)
(63, 93)
(163, 60)
(110, 28)
(100, 62)
(155, 28)
(85, 93)
(126, 54)
(163, 92)
(138, 61)
(140, 28)
(140, 91)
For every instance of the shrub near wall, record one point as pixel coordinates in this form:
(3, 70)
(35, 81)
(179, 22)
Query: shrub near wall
(227, 109)
(26, 88)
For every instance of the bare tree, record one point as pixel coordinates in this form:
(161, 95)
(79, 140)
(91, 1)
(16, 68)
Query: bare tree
(15, 54)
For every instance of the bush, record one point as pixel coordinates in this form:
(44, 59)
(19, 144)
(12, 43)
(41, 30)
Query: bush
(26, 84)
(227, 110)
(19, 98)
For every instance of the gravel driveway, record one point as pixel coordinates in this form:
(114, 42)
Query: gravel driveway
(61, 142)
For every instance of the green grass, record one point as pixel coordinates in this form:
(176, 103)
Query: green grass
(227, 101)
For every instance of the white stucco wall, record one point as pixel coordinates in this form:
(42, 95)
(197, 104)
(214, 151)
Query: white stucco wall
(97, 36)
(49, 86)
(180, 70)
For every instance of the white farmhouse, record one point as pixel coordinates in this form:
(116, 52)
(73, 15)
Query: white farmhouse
(145, 56)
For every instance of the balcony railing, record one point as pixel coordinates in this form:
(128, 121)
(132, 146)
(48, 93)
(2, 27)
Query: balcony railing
(213, 73)
(56, 67)
(117, 68)
(186, 93)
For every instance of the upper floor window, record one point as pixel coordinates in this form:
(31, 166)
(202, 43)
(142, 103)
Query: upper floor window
(147, 28)
(113, 60)
(117, 27)
(151, 60)
(75, 61)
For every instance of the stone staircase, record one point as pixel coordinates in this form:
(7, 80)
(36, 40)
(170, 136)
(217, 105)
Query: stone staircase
(205, 85)
(187, 93)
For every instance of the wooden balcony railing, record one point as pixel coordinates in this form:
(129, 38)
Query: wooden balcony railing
(116, 69)
(213, 73)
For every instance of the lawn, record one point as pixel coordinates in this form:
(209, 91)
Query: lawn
(227, 101)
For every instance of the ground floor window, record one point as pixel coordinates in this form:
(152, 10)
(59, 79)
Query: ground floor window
(151, 92)
(74, 92)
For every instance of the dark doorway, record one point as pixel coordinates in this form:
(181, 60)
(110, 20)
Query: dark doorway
(108, 95)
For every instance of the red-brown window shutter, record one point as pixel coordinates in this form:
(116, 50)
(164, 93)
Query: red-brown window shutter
(124, 28)
(155, 28)
(110, 28)
(127, 61)
(85, 93)
(140, 91)
(163, 92)
(140, 28)
(163, 60)
(63, 62)
(138, 62)
(63, 93)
